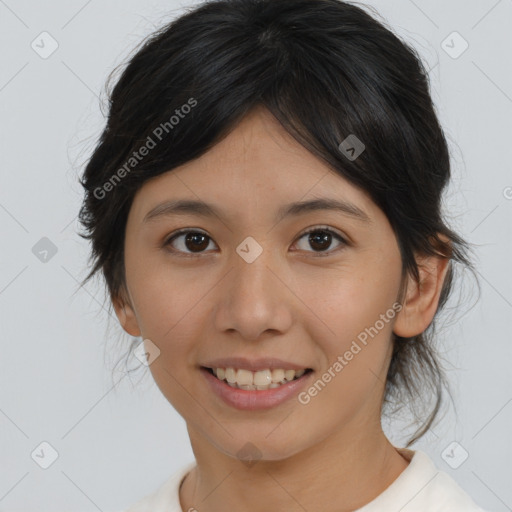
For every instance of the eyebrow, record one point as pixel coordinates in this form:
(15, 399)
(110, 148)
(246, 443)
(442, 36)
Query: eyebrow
(188, 206)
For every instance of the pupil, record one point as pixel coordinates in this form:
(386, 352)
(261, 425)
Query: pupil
(192, 236)
(325, 237)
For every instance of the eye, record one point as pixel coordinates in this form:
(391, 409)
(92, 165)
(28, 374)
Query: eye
(320, 238)
(194, 241)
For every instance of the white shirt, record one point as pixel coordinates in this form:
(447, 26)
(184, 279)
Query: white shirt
(421, 487)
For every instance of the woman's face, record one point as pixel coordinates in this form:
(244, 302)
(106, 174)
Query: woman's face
(251, 285)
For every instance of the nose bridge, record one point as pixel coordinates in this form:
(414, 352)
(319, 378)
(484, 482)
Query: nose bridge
(253, 277)
(253, 266)
(255, 299)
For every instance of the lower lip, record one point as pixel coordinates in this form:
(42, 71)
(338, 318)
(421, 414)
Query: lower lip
(252, 400)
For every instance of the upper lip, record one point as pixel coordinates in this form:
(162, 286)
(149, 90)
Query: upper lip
(254, 364)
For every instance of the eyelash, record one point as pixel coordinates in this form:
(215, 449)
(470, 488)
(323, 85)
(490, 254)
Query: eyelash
(323, 229)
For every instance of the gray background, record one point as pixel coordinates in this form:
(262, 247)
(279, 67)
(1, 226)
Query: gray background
(116, 436)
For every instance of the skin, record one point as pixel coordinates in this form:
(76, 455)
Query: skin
(330, 454)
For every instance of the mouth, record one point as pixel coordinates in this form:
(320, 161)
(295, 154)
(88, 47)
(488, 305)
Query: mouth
(260, 380)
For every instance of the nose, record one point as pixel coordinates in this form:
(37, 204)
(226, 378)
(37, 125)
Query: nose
(255, 298)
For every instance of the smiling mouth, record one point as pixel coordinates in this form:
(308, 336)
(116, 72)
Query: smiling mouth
(256, 381)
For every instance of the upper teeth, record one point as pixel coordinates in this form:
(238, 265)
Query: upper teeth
(263, 379)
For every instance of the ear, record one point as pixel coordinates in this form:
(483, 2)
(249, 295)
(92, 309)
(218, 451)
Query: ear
(126, 314)
(422, 299)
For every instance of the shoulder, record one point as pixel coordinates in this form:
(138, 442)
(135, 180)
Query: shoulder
(165, 498)
(446, 495)
(422, 487)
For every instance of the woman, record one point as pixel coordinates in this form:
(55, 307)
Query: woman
(264, 205)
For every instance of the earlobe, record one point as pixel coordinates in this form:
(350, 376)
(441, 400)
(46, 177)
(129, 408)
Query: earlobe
(126, 316)
(422, 299)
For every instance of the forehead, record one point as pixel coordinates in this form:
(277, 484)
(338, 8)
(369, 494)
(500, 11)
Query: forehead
(257, 168)
(256, 149)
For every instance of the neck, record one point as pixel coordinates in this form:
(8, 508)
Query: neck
(342, 473)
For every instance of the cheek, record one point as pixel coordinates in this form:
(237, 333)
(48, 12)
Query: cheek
(165, 295)
(347, 301)
(354, 317)
(169, 312)
(356, 358)
(171, 309)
